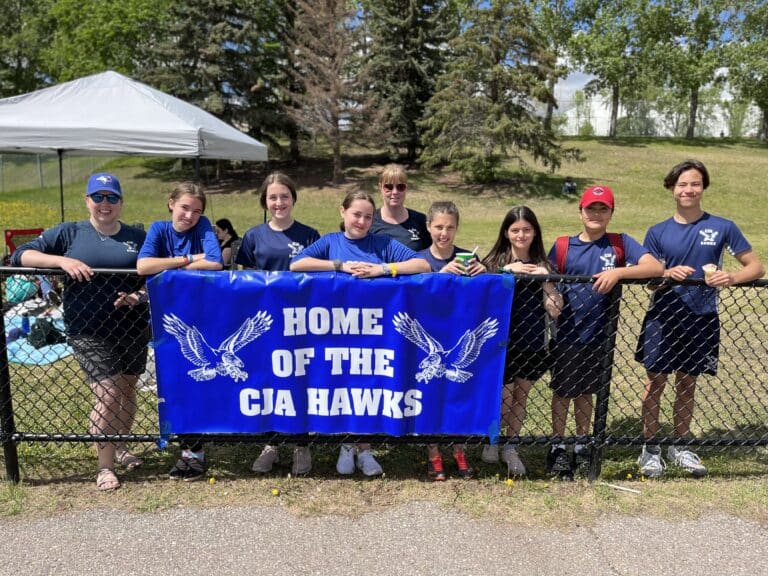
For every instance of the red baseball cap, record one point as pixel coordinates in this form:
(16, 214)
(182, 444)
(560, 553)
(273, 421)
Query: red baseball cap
(599, 193)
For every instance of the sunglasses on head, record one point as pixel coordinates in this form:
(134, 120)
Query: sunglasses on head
(400, 187)
(98, 198)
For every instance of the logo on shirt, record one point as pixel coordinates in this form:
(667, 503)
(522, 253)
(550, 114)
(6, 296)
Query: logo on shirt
(131, 247)
(295, 248)
(709, 237)
(414, 232)
(609, 260)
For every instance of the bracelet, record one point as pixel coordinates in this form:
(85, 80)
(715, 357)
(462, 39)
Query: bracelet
(186, 260)
(337, 264)
(143, 297)
(393, 270)
(191, 258)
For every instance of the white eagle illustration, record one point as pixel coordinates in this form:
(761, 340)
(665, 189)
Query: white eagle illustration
(440, 362)
(222, 360)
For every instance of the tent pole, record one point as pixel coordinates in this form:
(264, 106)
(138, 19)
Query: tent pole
(60, 153)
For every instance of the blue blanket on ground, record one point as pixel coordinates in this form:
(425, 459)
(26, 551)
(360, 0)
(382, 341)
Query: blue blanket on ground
(22, 352)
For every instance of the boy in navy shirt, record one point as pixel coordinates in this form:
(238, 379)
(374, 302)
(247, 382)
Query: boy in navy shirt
(681, 332)
(581, 332)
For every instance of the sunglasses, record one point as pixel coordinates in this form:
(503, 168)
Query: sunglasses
(400, 187)
(98, 198)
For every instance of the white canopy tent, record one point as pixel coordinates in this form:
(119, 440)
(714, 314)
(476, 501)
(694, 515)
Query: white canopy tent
(110, 114)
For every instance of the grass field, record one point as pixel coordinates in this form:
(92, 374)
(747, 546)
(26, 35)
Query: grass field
(60, 477)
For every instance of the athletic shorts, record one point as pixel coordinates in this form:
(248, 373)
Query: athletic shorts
(101, 357)
(678, 340)
(525, 364)
(576, 369)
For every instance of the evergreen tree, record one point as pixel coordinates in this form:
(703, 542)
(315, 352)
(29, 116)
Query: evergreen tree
(485, 107)
(406, 53)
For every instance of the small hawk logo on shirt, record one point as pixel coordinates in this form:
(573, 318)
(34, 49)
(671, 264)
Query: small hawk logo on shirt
(709, 237)
(295, 248)
(414, 232)
(609, 261)
(131, 247)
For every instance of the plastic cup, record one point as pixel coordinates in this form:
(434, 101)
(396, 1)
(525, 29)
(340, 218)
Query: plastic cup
(464, 258)
(709, 269)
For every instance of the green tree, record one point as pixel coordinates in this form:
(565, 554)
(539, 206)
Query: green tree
(607, 45)
(736, 112)
(484, 108)
(25, 33)
(109, 35)
(405, 54)
(748, 58)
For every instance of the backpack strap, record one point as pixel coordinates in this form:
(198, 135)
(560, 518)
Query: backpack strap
(617, 242)
(561, 253)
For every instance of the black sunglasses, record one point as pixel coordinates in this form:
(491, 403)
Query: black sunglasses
(400, 187)
(98, 198)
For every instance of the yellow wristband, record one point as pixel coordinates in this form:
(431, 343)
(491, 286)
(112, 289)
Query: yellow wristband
(393, 270)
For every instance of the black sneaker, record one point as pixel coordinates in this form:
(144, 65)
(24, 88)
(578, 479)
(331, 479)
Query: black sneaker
(560, 464)
(582, 460)
(187, 469)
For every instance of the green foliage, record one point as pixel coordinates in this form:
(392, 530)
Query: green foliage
(483, 110)
(24, 36)
(405, 56)
(109, 35)
(748, 58)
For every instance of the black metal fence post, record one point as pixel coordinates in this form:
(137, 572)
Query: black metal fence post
(604, 392)
(7, 425)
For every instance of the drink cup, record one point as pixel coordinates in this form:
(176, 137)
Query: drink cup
(464, 258)
(709, 269)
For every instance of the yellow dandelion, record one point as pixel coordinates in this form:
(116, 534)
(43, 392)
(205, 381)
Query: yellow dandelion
(275, 492)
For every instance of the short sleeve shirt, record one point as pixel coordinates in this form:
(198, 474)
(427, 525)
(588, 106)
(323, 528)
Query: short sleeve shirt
(412, 233)
(165, 242)
(266, 249)
(373, 248)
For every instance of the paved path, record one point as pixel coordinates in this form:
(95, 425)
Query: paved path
(417, 538)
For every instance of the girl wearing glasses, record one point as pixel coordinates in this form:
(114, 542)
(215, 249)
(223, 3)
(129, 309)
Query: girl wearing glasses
(186, 241)
(357, 252)
(394, 219)
(105, 315)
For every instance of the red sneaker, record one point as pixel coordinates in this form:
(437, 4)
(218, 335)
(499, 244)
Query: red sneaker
(435, 470)
(461, 463)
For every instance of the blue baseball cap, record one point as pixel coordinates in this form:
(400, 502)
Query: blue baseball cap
(103, 182)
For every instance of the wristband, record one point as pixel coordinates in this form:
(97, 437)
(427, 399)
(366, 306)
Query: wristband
(337, 264)
(186, 260)
(384, 269)
(191, 258)
(393, 270)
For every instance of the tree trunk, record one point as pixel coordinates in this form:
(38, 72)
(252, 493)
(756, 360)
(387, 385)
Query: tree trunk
(764, 126)
(336, 137)
(614, 111)
(550, 105)
(692, 111)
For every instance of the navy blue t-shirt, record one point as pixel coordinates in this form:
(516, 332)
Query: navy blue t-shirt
(266, 249)
(412, 233)
(436, 263)
(89, 306)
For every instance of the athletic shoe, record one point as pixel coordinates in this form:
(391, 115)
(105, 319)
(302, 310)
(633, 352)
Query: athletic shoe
(490, 453)
(461, 464)
(346, 462)
(435, 470)
(302, 460)
(268, 457)
(187, 469)
(582, 460)
(688, 461)
(515, 466)
(367, 464)
(560, 464)
(651, 465)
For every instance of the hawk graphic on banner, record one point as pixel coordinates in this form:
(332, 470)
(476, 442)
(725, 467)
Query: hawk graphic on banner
(440, 362)
(220, 361)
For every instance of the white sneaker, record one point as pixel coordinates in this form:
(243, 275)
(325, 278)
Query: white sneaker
(688, 461)
(266, 459)
(515, 466)
(302, 460)
(490, 453)
(651, 465)
(346, 462)
(367, 464)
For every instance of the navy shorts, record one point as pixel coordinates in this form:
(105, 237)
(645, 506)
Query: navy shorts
(101, 357)
(525, 364)
(677, 340)
(576, 369)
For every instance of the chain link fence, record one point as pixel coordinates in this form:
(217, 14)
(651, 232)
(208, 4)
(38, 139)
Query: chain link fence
(46, 398)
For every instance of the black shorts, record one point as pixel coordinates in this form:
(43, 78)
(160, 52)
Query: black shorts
(576, 369)
(101, 357)
(526, 364)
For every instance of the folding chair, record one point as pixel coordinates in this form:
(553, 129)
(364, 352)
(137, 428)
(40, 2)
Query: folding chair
(16, 237)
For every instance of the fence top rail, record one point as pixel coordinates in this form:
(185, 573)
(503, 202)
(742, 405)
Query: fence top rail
(561, 278)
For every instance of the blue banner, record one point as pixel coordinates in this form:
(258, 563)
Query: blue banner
(253, 352)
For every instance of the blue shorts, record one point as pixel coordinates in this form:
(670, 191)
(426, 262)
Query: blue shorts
(577, 369)
(677, 340)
